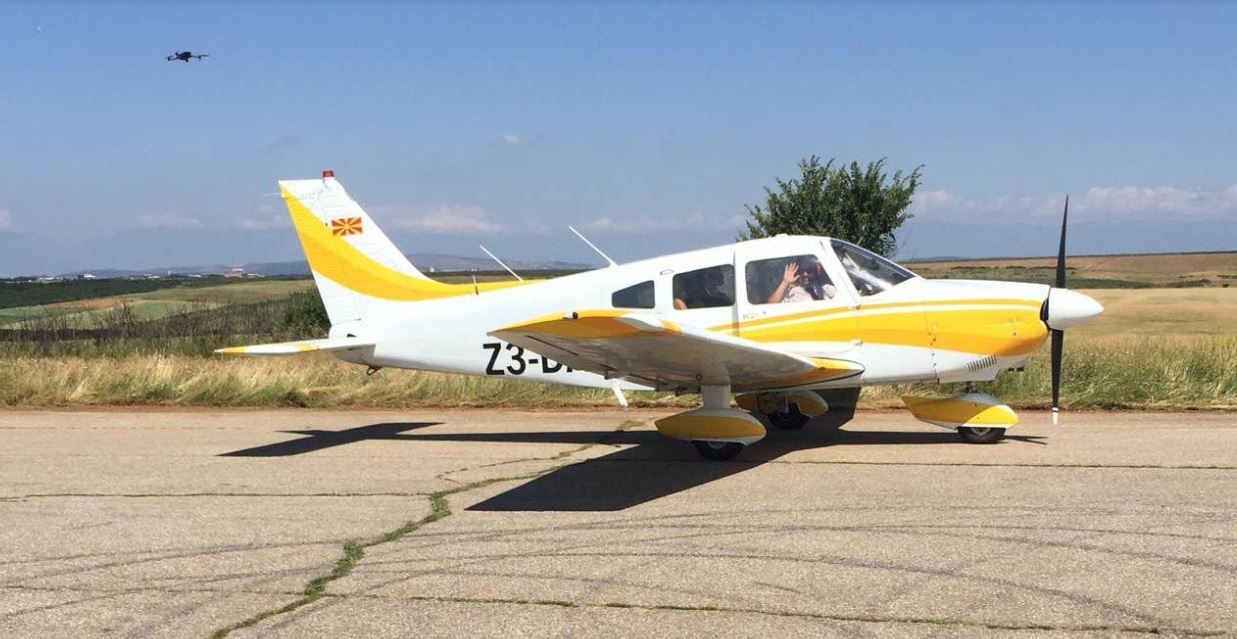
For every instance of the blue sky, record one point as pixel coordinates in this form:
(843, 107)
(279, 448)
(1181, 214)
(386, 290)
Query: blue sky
(647, 126)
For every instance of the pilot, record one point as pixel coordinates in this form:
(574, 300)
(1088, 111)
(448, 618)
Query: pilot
(803, 280)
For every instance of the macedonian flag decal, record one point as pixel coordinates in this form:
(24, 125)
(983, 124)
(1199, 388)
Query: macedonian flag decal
(342, 226)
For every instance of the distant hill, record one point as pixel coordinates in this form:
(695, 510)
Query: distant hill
(428, 262)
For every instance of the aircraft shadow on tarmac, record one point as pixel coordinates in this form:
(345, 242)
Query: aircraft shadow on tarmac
(647, 467)
(319, 439)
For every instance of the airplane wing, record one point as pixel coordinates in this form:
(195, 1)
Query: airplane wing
(645, 349)
(296, 348)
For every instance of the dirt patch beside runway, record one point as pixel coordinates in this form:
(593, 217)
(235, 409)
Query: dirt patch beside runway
(185, 523)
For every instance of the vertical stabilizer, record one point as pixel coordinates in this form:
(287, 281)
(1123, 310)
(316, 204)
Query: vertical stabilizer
(354, 263)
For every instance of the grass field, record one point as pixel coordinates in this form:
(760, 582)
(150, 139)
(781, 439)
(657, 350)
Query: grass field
(1161, 312)
(1153, 348)
(1107, 271)
(162, 302)
(1149, 373)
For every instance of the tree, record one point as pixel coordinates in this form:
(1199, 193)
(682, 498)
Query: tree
(864, 206)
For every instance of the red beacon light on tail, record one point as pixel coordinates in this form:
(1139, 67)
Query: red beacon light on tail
(328, 174)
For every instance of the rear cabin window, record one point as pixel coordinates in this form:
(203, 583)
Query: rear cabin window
(797, 278)
(704, 288)
(635, 296)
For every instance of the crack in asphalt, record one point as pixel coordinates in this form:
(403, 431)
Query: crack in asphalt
(354, 550)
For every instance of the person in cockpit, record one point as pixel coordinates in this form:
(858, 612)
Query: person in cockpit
(803, 281)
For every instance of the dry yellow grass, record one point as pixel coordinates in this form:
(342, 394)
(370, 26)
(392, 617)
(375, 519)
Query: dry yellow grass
(1159, 270)
(1135, 372)
(1161, 311)
(310, 380)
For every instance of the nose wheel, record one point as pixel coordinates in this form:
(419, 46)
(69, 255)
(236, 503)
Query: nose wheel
(789, 418)
(981, 435)
(718, 451)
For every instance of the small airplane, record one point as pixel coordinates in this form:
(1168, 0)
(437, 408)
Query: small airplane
(774, 320)
(185, 56)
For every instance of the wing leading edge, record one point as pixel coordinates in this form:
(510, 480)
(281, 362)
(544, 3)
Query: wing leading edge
(645, 349)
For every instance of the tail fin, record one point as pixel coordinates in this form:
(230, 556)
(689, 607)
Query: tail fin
(354, 263)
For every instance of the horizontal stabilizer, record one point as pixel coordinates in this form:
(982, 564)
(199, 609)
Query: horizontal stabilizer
(296, 348)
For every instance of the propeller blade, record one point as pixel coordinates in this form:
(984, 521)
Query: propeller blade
(1058, 336)
(1058, 346)
(1061, 251)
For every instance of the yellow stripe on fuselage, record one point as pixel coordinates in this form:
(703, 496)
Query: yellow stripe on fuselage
(1004, 327)
(335, 259)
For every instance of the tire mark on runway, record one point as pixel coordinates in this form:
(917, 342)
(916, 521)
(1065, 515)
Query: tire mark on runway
(57, 605)
(856, 618)
(15, 498)
(837, 561)
(158, 556)
(844, 462)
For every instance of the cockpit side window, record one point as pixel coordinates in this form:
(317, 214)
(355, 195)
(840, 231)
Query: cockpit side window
(634, 296)
(704, 288)
(797, 278)
(869, 272)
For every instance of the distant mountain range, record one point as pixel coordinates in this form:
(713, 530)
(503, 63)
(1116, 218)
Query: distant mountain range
(428, 262)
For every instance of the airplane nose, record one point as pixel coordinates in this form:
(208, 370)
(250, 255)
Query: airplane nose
(1068, 308)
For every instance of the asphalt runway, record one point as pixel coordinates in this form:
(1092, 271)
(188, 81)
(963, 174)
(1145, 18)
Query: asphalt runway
(461, 522)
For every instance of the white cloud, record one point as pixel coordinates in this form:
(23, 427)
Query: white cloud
(6, 220)
(441, 219)
(168, 221)
(513, 139)
(645, 224)
(266, 217)
(265, 223)
(1100, 202)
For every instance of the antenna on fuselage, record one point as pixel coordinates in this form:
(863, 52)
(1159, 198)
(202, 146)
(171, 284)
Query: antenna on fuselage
(500, 263)
(593, 246)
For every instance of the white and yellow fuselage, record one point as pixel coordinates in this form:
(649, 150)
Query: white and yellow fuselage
(626, 326)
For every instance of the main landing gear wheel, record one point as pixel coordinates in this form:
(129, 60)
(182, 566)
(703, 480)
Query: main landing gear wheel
(789, 419)
(981, 435)
(718, 451)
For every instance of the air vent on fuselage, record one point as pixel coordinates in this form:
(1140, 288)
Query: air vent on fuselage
(981, 363)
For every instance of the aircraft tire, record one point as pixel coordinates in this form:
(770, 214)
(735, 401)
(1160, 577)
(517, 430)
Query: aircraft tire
(792, 419)
(718, 451)
(981, 435)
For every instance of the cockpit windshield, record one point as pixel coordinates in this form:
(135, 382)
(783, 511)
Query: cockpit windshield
(870, 273)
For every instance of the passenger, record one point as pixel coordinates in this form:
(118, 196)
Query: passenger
(680, 295)
(702, 289)
(712, 294)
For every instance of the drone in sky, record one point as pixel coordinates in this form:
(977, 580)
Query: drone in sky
(185, 56)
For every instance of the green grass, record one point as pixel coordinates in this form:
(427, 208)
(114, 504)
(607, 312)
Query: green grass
(141, 309)
(14, 294)
(243, 292)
